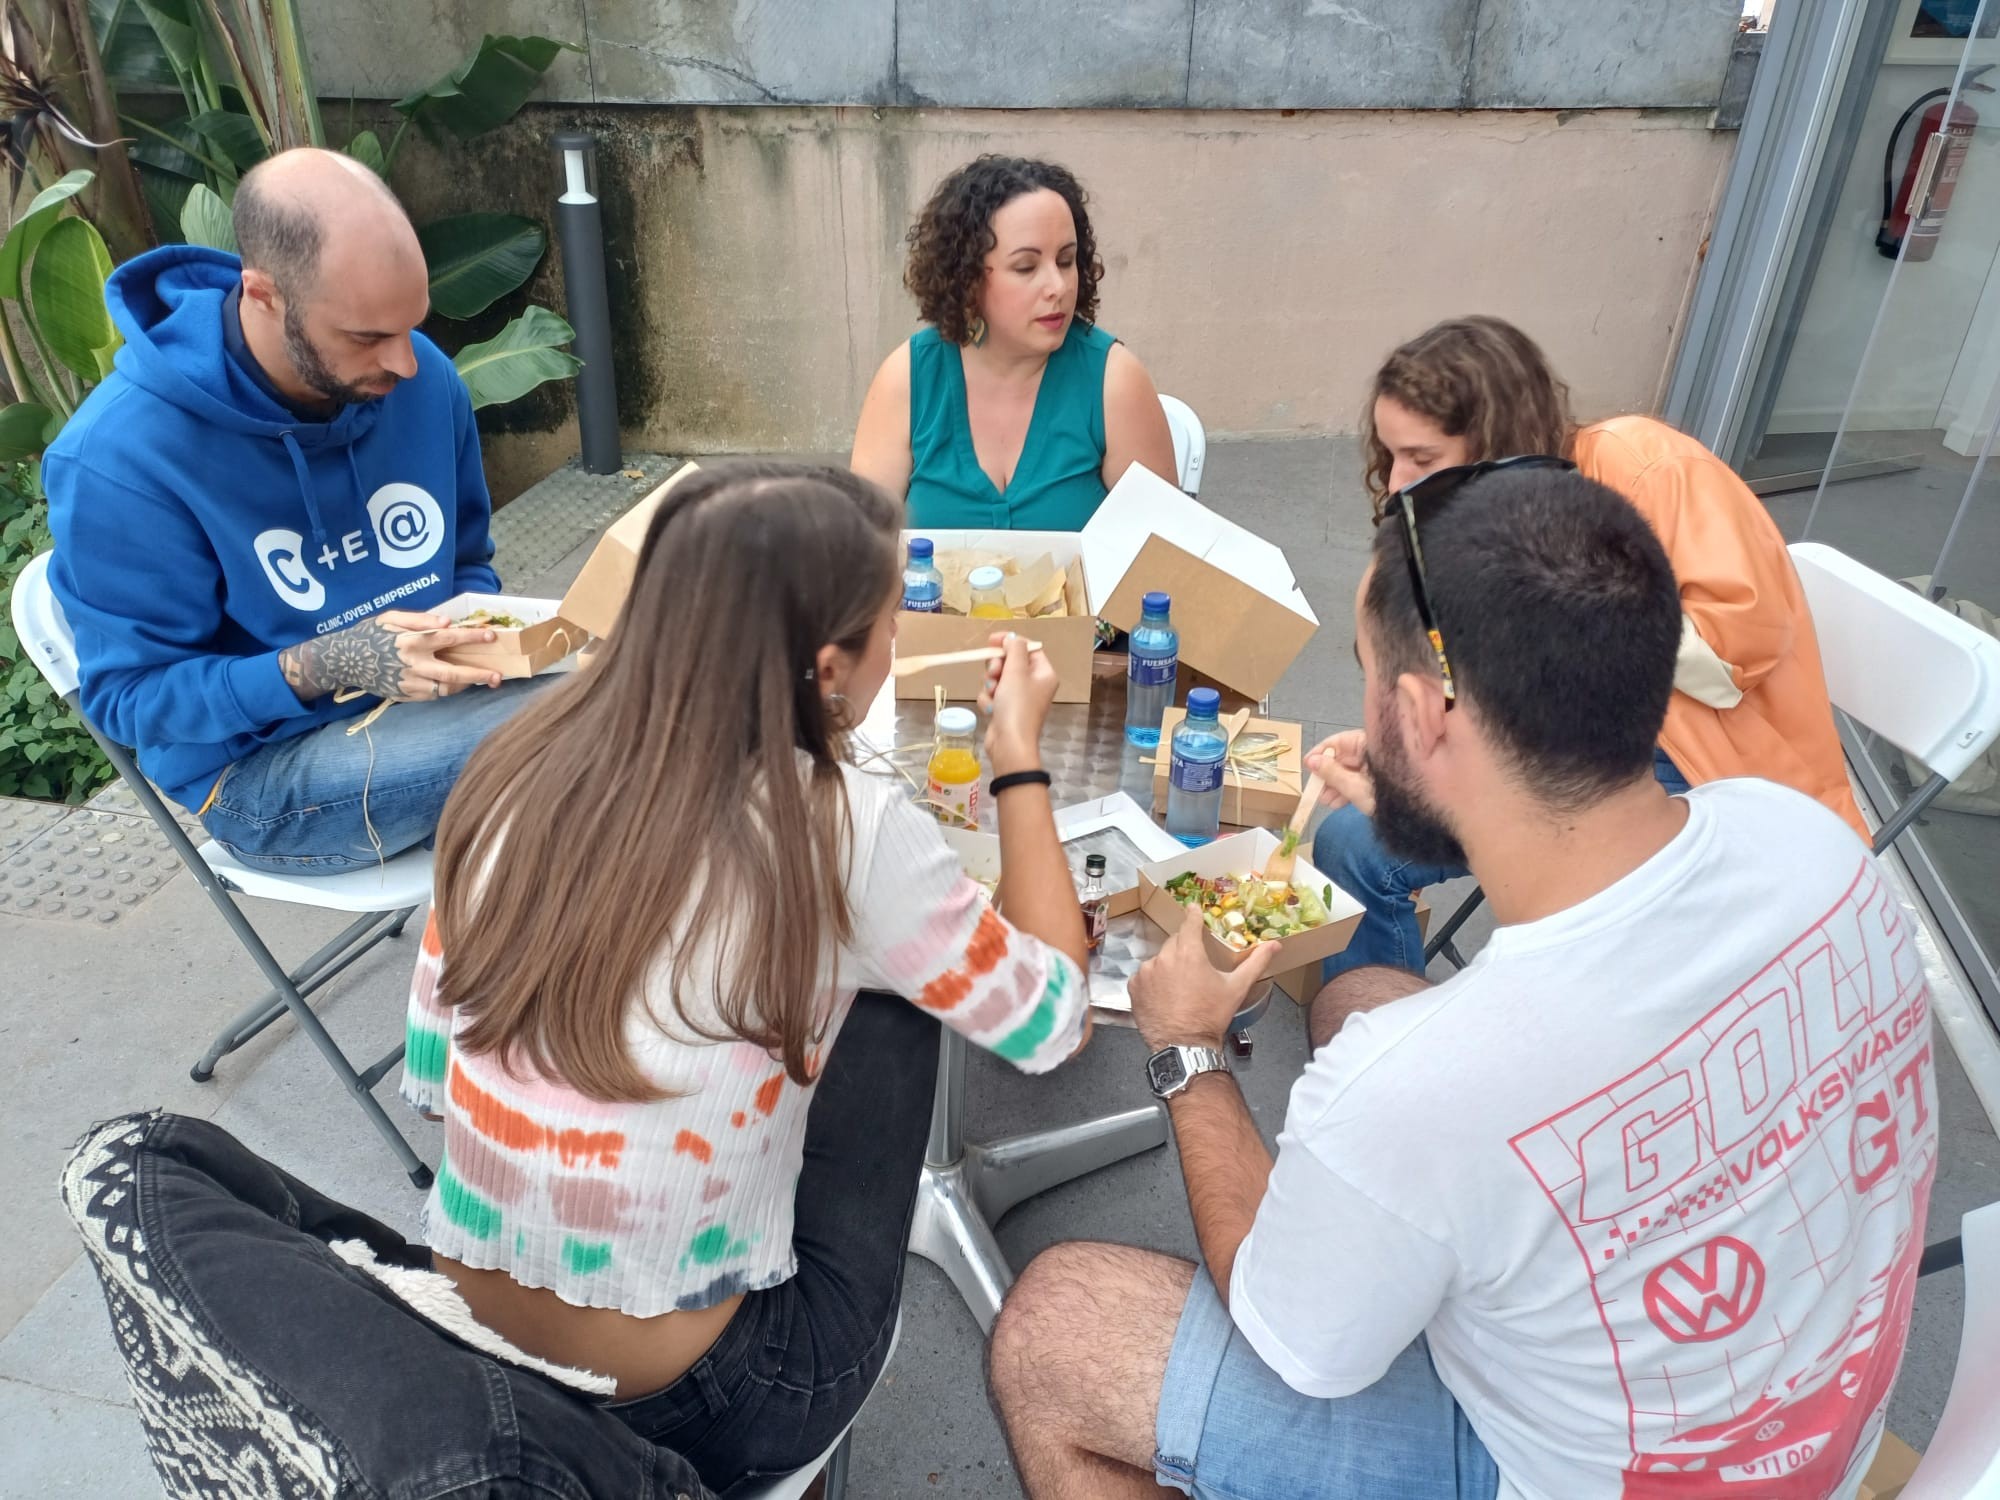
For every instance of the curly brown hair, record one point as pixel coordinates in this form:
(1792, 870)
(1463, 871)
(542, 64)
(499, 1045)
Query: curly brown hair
(1479, 377)
(952, 237)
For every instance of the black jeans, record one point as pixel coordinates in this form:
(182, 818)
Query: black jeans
(794, 1365)
(262, 1363)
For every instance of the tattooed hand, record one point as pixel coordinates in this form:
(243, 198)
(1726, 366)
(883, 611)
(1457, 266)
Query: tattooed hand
(393, 655)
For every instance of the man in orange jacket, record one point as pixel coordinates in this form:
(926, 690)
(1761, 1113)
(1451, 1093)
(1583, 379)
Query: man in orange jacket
(1749, 692)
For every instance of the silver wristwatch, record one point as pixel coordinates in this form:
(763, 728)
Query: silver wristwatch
(1172, 1069)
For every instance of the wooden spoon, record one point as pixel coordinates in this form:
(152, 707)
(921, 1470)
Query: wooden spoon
(1278, 868)
(909, 666)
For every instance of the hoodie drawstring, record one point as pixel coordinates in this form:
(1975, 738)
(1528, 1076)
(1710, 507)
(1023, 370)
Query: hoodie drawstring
(306, 485)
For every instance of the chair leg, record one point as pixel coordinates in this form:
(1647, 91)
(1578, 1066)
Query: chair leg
(837, 1466)
(1443, 943)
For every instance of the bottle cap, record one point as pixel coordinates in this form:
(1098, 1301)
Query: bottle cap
(920, 547)
(1204, 703)
(956, 721)
(1156, 603)
(1093, 864)
(985, 578)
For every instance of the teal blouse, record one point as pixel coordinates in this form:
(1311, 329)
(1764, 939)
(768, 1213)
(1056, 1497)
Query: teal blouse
(1059, 482)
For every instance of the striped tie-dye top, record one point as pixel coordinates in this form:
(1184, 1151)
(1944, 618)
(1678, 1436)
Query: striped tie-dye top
(681, 1203)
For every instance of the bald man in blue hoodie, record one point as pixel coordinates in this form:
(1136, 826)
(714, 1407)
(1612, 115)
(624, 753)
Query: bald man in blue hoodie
(257, 515)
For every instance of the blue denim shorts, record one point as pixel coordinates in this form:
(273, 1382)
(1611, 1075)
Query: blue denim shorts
(1229, 1429)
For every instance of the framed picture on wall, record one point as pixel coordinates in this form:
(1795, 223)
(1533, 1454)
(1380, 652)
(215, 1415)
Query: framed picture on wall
(1940, 32)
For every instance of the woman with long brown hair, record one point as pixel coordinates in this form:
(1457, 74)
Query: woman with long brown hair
(684, 1108)
(1749, 693)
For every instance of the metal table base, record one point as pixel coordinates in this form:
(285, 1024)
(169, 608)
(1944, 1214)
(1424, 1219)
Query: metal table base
(966, 1187)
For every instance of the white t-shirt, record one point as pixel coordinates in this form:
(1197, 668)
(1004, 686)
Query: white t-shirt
(1650, 1173)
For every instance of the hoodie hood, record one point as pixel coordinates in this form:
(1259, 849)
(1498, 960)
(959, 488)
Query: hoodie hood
(168, 305)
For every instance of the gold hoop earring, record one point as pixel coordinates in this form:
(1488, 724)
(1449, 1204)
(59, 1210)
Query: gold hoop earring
(977, 333)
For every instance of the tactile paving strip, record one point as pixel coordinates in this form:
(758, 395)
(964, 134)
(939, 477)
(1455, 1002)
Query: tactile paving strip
(553, 517)
(90, 866)
(22, 822)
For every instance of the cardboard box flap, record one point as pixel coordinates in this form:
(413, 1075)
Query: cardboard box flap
(543, 638)
(1143, 506)
(597, 597)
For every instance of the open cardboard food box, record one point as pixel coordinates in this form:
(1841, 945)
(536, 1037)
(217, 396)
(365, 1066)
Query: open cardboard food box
(1247, 802)
(539, 645)
(1241, 617)
(1068, 639)
(1244, 854)
(553, 629)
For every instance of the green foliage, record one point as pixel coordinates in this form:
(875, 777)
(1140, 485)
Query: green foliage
(488, 88)
(518, 358)
(45, 752)
(66, 298)
(205, 219)
(476, 259)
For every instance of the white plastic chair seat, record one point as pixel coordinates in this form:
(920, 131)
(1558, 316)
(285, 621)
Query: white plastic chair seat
(1915, 674)
(1963, 1461)
(390, 886)
(1190, 443)
(795, 1484)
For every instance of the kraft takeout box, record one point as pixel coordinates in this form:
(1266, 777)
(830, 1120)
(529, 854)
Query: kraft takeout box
(1067, 639)
(539, 646)
(598, 596)
(1243, 854)
(1248, 801)
(1241, 616)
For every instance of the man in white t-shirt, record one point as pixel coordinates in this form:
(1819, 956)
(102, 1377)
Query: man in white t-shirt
(1631, 1207)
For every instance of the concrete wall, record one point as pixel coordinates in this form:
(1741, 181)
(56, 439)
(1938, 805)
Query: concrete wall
(1171, 54)
(1261, 264)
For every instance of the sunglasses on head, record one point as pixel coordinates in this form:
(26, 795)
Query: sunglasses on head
(1435, 486)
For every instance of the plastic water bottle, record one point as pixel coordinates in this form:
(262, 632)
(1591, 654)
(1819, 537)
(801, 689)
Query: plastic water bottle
(1151, 671)
(1194, 775)
(923, 585)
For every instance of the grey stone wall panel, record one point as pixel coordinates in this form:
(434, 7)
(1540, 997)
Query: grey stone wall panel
(1330, 54)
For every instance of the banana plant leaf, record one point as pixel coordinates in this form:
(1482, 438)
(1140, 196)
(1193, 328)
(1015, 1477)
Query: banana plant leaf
(205, 220)
(25, 429)
(520, 357)
(489, 88)
(66, 290)
(134, 60)
(235, 136)
(476, 259)
(26, 232)
(366, 148)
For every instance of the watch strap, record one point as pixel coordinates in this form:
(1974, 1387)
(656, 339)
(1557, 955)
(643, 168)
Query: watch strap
(1194, 1062)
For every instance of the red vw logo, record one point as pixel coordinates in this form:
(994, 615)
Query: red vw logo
(1708, 1293)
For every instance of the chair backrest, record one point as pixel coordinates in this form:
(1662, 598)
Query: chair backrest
(1190, 443)
(1963, 1461)
(44, 633)
(1916, 674)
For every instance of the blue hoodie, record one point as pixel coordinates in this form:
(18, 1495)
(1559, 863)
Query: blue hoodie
(201, 526)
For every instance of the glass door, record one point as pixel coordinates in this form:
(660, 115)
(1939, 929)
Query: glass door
(1880, 397)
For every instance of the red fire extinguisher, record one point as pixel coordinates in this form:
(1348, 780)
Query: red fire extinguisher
(1915, 210)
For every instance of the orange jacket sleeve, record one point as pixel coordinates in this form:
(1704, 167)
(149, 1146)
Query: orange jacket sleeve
(1727, 556)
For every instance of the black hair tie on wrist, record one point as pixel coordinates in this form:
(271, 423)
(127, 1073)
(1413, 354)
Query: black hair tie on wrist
(1018, 778)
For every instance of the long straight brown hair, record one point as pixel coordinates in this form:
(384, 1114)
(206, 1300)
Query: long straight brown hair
(658, 798)
(1478, 377)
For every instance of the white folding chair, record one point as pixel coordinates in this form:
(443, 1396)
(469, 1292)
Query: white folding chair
(1896, 664)
(1190, 443)
(1963, 1460)
(386, 897)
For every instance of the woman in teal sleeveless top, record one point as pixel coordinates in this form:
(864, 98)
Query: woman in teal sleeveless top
(1012, 410)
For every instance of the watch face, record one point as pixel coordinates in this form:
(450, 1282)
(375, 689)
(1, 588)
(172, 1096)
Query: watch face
(1165, 1070)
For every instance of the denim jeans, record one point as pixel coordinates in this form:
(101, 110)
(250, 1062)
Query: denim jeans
(306, 805)
(797, 1360)
(264, 1364)
(1228, 1428)
(1346, 850)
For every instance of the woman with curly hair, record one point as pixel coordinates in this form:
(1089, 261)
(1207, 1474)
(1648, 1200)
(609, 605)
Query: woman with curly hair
(1012, 409)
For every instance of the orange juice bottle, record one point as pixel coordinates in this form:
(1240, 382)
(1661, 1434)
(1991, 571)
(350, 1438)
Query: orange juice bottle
(988, 601)
(954, 778)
